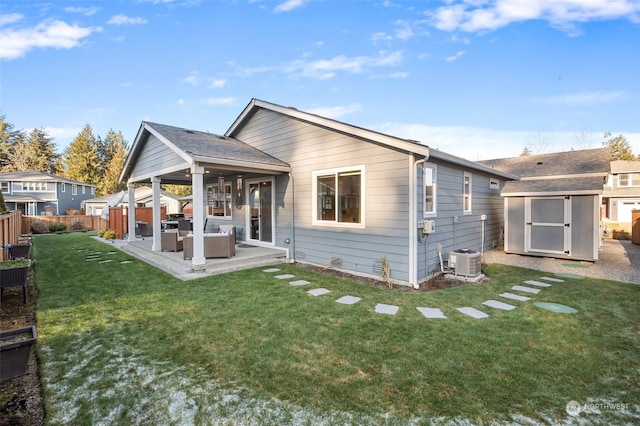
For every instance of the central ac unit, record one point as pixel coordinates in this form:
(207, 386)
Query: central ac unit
(465, 262)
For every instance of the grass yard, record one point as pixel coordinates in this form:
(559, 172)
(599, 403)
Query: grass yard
(125, 343)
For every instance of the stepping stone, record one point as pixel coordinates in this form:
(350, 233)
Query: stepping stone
(90, 259)
(299, 282)
(473, 312)
(537, 283)
(106, 261)
(318, 292)
(572, 276)
(381, 308)
(526, 289)
(555, 280)
(514, 297)
(498, 305)
(284, 277)
(271, 270)
(349, 300)
(431, 313)
(126, 261)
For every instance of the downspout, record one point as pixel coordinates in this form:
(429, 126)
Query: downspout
(292, 252)
(413, 224)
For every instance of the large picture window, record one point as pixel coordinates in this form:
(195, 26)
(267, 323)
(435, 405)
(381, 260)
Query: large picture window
(467, 192)
(338, 196)
(34, 186)
(219, 203)
(429, 172)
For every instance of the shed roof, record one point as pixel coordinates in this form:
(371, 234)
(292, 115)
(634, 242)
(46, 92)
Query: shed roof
(582, 185)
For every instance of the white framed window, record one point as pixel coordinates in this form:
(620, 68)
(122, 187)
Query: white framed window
(430, 172)
(338, 197)
(84, 188)
(34, 186)
(74, 189)
(4, 187)
(93, 191)
(494, 184)
(219, 203)
(629, 179)
(466, 190)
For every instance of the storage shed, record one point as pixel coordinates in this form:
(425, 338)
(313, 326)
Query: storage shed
(554, 209)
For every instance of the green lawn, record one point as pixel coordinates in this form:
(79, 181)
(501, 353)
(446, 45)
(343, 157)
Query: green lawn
(125, 343)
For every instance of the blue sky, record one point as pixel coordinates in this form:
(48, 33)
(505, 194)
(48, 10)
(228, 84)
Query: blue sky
(477, 78)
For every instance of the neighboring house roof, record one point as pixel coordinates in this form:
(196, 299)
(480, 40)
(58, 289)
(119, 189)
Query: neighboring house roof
(24, 198)
(625, 166)
(561, 173)
(407, 145)
(140, 193)
(38, 177)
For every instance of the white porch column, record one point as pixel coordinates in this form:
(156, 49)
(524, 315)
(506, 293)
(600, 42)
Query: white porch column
(197, 183)
(155, 189)
(131, 212)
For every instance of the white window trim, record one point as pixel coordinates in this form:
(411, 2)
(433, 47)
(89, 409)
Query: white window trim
(434, 172)
(470, 209)
(225, 217)
(74, 189)
(314, 197)
(8, 187)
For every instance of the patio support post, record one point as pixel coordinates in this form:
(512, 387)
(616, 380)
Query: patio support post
(197, 181)
(155, 189)
(131, 211)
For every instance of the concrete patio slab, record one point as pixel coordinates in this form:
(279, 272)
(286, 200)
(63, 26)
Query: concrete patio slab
(473, 312)
(431, 312)
(526, 289)
(498, 305)
(381, 308)
(318, 292)
(348, 300)
(537, 283)
(512, 296)
(299, 282)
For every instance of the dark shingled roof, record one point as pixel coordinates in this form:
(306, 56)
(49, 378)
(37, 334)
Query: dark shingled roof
(203, 144)
(561, 172)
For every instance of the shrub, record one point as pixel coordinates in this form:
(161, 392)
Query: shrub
(101, 232)
(77, 226)
(39, 227)
(3, 206)
(57, 227)
(110, 235)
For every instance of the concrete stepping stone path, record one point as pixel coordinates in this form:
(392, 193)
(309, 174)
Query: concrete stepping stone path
(349, 300)
(555, 280)
(473, 312)
(270, 270)
(285, 276)
(498, 305)
(431, 313)
(537, 283)
(512, 296)
(318, 292)
(299, 283)
(381, 308)
(526, 289)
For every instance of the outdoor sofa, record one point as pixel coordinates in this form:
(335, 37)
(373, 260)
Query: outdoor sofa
(221, 244)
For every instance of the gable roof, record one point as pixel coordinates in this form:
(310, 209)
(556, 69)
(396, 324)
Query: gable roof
(407, 145)
(196, 146)
(560, 173)
(34, 176)
(625, 166)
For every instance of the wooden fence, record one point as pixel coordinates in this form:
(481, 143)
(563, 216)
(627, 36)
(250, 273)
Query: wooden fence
(10, 230)
(73, 222)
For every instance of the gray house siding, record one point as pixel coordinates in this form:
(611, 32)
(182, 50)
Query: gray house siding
(155, 156)
(308, 148)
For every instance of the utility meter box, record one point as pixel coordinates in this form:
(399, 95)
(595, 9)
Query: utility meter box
(429, 227)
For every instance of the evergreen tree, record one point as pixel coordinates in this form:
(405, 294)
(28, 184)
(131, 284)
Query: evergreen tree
(9, 138)
(526, 151)
(179, 190)
(114, 155)
(81, 158)
(36, 153)
(619, 147)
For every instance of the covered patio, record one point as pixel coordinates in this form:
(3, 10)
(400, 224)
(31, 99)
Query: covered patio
(232, 185)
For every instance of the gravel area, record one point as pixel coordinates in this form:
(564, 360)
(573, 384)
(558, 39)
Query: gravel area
(619, 260)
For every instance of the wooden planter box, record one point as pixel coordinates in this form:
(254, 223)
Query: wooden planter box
(14, 277)
(15, 348)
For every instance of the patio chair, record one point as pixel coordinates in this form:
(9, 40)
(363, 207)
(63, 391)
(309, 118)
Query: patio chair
(231, 229)
(171, 241)
(144, 229)
(184, 227)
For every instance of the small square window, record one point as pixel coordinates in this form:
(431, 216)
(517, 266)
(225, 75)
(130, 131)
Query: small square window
(494, 183)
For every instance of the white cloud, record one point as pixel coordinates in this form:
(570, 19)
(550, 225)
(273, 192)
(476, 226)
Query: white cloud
(15, 43)
(86, 11)
(335, 112)
(475, 144)
(585, 98)
(404, 31)
(217, 84)
(217, 101)
(126, 20)
(455, 57)
(192, 78)
(288, 6)
(468, 16)
(10, 18)
(380, 36)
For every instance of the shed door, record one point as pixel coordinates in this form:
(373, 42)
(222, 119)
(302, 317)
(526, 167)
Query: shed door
(548, 225)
